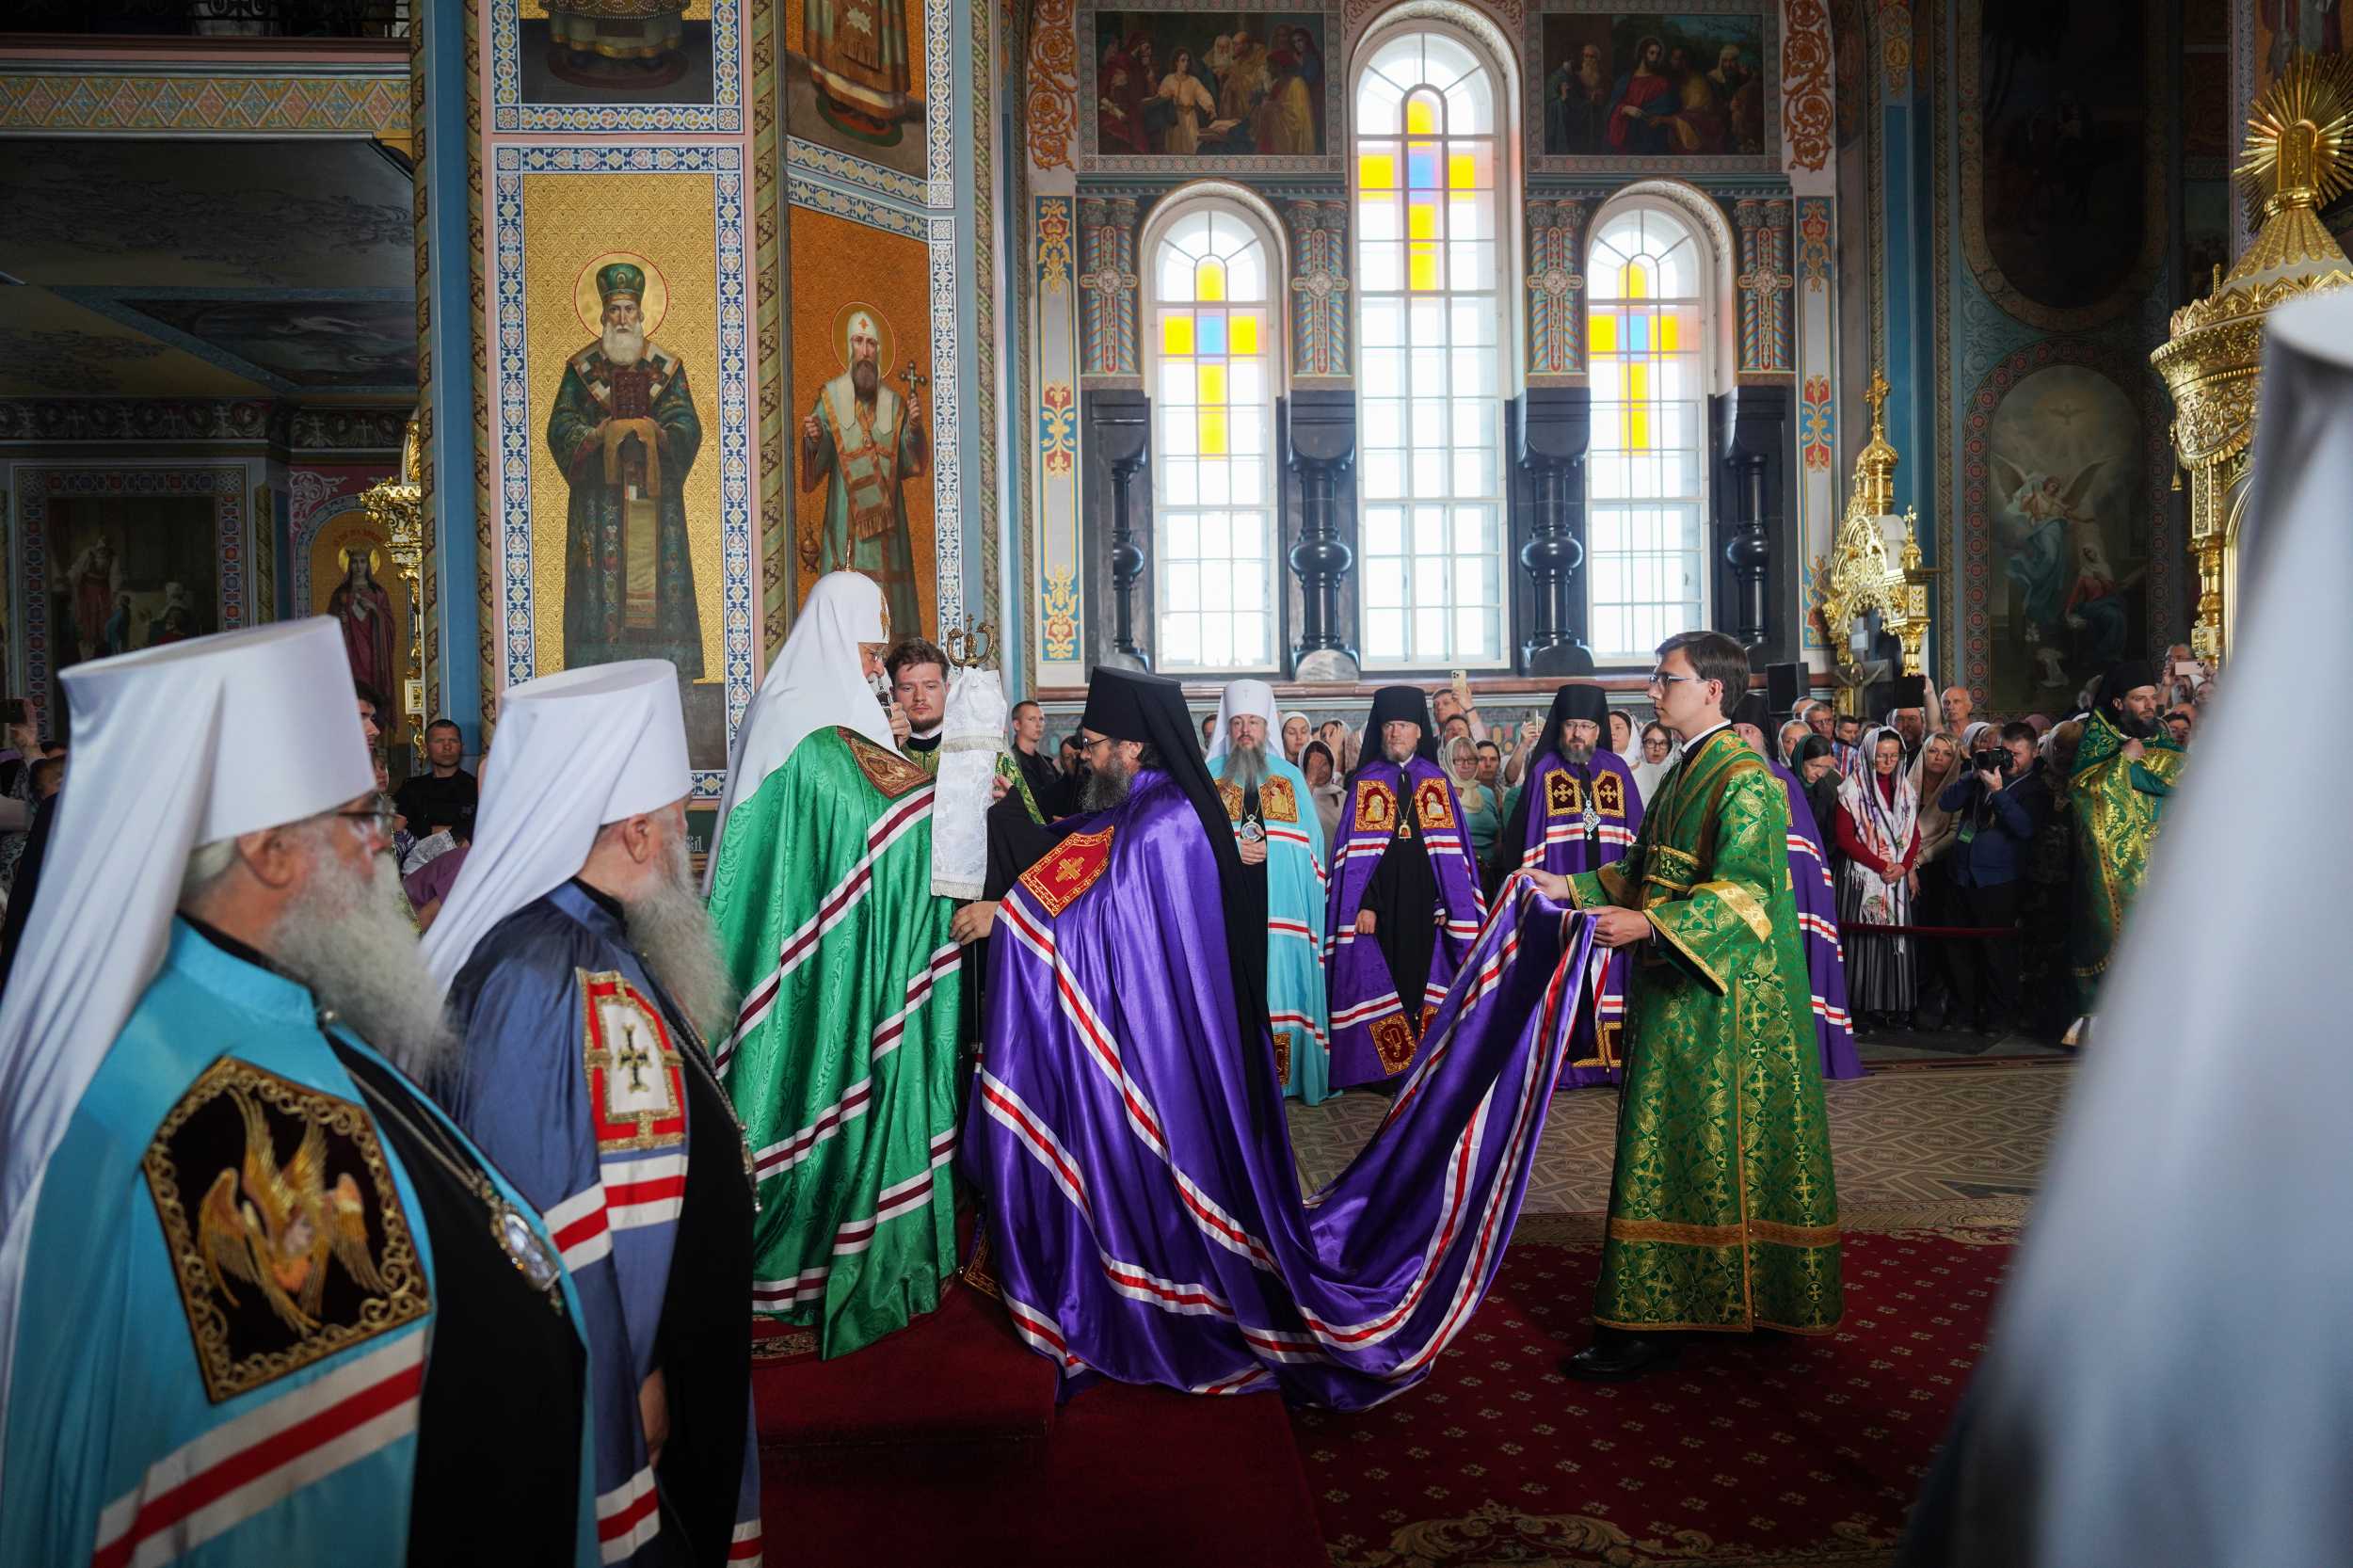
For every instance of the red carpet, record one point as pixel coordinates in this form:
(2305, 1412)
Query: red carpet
(943, 1445)
(1796, 1453)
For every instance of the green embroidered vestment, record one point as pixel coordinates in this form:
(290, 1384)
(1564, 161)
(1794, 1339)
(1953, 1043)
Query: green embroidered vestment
(1723, 1212)
(2116, 802)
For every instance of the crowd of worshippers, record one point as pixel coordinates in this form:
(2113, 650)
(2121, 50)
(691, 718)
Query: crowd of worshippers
(1956, 828)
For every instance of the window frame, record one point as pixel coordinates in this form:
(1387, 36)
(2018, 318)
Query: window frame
(1252, 212)
(1495, 54)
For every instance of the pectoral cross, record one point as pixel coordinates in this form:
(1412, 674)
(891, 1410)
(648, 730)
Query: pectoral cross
(913, 380)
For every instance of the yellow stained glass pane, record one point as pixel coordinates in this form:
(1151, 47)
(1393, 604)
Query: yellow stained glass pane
(1637, 281)
(1421, 221)
(1670, 339)
(1209, 280)
(1421, 268)
(1212, 385)
(1212, 432)
(1603, 330)
(1462, 171)
(1637, 428)
(1176, 334)
(1638, 381)
(1421, 115)
(1246, 334)
(1377, 171)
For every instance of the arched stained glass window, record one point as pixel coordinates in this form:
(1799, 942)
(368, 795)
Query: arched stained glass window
(1214, 347)
(1646, 475)
(1429, 370)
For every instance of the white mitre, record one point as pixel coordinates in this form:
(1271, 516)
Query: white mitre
(971, 740)
(173, 747)
(1246, 696)
(575, 750)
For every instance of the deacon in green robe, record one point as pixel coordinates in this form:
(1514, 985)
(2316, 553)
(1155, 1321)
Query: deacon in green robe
(1723, 1215)
(2125, 767)
(625, 433)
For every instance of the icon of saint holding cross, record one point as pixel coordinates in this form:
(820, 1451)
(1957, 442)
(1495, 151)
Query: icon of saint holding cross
(862, 441)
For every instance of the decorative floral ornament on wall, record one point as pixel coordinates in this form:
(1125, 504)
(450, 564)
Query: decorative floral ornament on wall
(1806, 114)
(1053, 82)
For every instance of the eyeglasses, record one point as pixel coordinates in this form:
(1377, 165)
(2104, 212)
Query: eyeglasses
(1661, 680)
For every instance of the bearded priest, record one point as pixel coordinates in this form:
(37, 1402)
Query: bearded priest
(261, 1302)
(581, 968)
(2126, 766)
(1281, 845)
(842, 1061)
(1578, 811)
(1723, 1215)
(1404, 906)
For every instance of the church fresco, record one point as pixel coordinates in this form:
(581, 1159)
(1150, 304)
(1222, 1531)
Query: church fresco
(859, 434)
(639, 64)
(1197, 88)
(625, 418)
(1652, 85)
(2065, 571)
(854, 74)
(129, 572)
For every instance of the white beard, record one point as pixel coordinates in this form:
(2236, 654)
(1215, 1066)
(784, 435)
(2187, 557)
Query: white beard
(624, 345)
(671, 930)
(349, 936)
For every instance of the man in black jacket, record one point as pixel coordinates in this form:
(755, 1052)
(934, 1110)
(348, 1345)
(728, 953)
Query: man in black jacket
(2000, 813)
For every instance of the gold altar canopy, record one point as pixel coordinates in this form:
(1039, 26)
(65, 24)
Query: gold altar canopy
(1874, 564)
(2297, 145)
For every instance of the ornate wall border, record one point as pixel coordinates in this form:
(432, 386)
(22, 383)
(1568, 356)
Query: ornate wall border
(1973, 564)
(1336, 56)
(723, 115)
(373, 101)
(987, 287)
(1768, 13)
(37, 484)
(724, 164)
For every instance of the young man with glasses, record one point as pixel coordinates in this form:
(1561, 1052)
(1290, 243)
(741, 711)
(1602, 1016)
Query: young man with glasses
(1722, 1072)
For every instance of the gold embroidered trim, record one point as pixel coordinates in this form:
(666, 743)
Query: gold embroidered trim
(1277, 802)
(1708, 977)
(1741, 902)
(1771, 1232)
(636, 1086)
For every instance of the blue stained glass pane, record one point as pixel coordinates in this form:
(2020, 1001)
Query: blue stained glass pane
(1637, 331)
(1213, 329)
(1422, 168)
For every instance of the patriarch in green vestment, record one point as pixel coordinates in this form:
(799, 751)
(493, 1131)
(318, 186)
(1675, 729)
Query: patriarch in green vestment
(1723, 1215)
(625, 433)
(843, 1060)
(2126, 766)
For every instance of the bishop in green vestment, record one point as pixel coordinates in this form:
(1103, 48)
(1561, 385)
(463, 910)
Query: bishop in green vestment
(2125, 767)
(625, 433)
(1723, 1215)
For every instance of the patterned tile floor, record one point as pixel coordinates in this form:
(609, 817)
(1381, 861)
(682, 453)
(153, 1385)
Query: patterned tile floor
(1896, 1138)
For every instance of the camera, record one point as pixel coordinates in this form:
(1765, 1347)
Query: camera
(1989, 760)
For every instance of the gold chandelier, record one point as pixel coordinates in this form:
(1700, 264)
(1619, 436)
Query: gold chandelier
(2298, 143)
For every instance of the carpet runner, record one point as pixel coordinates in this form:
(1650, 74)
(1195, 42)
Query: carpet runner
(1793, 1453)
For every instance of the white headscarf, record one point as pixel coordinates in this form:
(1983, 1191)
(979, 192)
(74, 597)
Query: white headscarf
(817, 682)
(2170, 1381)
(1884, 828)
(575, 750)
(173, 747)
(1246, 696)
(1276, 735)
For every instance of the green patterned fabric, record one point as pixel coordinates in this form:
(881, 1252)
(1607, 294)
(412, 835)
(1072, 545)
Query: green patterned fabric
(845, 1077)
(2116, 802)
(1722, 1213)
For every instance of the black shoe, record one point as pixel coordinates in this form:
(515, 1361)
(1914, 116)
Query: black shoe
(1617, 1356)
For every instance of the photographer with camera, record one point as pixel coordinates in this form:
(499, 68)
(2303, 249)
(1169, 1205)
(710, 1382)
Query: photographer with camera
(2002, 803)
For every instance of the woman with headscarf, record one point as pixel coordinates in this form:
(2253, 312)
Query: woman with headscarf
(1878, 832)
(1323, 783)
(1785, 743)
(1622, 735)
(1658, 749)
(1817, 767)
(1296, 734)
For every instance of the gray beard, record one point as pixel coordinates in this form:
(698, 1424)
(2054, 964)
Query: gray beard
(349, 936)
(1245, 767)
(671, 928)
(624, 345)
(1581, 756)
(1399, 755)
(1105, 786)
